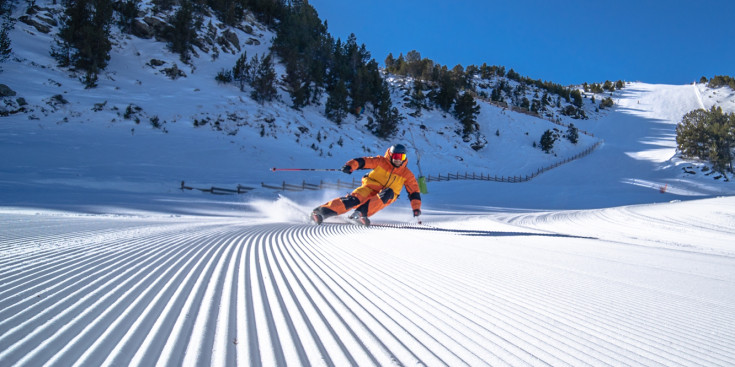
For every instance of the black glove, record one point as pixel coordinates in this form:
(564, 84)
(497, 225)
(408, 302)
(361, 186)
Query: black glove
(347, 169)
(416, 212)
(386, 195)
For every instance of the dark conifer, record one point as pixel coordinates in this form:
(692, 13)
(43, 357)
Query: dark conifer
(547, 141)
(337, 105)
(708, 135)
(466, 111)
(263, 79)
(386, 116)
(576, 98)
(183, 30)
(573, 134)
(447, 92)
(83, 39)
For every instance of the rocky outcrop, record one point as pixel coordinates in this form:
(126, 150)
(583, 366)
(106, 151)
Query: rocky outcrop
(5, 91)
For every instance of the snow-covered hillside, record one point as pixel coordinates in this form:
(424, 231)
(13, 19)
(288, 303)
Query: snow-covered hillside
(103, 138)
(620, 257)
(134, 91)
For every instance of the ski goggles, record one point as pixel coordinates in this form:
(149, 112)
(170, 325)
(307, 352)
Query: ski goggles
(398, 156)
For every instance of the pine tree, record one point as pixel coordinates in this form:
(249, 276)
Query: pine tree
(576, 98)
(270, 11)
(497, 94)
(399, 66)
(720, 80)
(390, 62)
(608, 86)
(535, 105)
(83, 39)
(298, 83)
(513, 75)
(691, 134)
(525, 103)
(127, 11)
(607, 102)
(547, 141)
(229, 12)
(362, 78)
(708, 135)
(387, 117)
(413, 64)
(573, 134)
(305, 47)
(447, 92)
(263, 80)
(183, 31)
(337, 105)
(417, 99)
(466, 111)
(241, 73)
(360, 89)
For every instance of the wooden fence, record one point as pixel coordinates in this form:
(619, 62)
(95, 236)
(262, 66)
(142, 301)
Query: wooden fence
(307, 186)
(218, 190)
(511, 179)
(355, 182)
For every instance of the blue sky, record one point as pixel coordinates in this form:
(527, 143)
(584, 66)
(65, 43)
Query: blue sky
(567, 42)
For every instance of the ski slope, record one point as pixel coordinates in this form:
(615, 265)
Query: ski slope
(615, 286)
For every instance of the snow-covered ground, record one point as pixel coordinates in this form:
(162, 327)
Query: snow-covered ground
(617, 258)
(640, 285)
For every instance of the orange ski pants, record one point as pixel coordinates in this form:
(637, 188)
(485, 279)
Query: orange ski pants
(364, 199)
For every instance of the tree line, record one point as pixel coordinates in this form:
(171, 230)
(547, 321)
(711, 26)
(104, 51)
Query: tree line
(450, 89)
(436, 86)
(316, 64)
(719, 81)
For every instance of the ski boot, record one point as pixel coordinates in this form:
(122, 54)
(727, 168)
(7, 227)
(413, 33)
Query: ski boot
(316, 217)
(359, 218)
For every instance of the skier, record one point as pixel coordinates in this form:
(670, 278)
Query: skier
(380, 187)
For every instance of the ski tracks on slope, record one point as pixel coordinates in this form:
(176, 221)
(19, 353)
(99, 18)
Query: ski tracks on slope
(214, 291)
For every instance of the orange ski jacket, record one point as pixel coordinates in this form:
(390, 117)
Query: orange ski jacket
(385, 175)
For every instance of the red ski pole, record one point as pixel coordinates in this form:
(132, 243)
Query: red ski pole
(274, 169)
